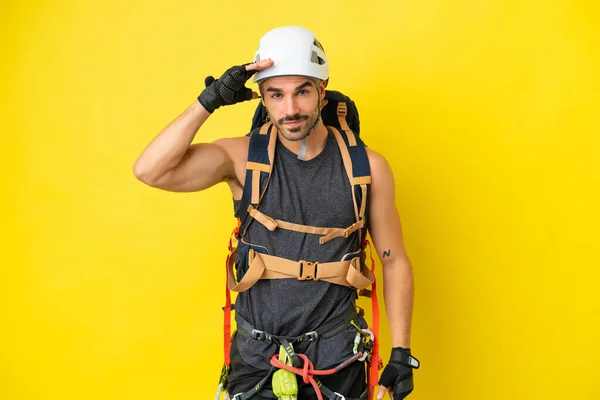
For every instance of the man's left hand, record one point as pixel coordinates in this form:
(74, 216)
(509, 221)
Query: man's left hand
(397, 376)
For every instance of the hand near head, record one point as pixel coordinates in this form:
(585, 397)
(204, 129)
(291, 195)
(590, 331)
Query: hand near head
(260, 65)
(230, 87)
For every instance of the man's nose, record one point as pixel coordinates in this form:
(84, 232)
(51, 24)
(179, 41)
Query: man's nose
(291, 107)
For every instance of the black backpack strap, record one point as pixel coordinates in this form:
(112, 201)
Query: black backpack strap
(261, 151)
(260, 117)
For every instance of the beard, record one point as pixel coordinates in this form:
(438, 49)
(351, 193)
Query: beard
(302, 130)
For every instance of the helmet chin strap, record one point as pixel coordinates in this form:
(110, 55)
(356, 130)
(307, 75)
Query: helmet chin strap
(302, 154)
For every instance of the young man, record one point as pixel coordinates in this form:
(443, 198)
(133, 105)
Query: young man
(309, 187)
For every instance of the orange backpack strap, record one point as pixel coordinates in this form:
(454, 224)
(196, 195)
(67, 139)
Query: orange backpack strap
(357, 168)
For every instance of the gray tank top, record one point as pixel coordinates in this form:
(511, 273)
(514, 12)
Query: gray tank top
(316, 192)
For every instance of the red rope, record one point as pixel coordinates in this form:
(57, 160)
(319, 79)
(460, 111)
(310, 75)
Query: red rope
(227, 313)
(308, 371)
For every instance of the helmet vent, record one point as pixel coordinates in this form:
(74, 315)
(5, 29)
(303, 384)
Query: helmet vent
(316, 59)
(318, 44)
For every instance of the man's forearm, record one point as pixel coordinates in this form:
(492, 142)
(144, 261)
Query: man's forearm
(398, 293)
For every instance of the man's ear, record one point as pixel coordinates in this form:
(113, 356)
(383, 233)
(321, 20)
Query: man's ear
(322, 86)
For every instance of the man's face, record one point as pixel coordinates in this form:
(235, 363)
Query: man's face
(293, 104)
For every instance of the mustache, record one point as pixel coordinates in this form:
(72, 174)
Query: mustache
(291, 118)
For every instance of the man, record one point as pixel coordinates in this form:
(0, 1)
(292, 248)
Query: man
(309, 186)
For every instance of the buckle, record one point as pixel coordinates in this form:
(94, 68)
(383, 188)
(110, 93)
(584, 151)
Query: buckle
(312, 336)
(338, 396)
(258, 335)
(308, 270)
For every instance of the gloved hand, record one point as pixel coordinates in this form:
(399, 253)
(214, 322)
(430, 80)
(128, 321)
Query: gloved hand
(397, 375)
(228, 89)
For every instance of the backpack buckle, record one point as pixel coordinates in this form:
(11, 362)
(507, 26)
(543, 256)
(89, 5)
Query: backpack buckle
(308, 270)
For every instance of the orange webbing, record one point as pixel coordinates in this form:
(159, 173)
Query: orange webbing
(347, 164)
(376, 365)
(342, 110)
(328, 233)
(264, 266)
(265, 220)
(258, 166)
(265, 128)
(343, 232)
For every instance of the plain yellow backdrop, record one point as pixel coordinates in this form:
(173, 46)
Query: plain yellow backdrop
(486, 110)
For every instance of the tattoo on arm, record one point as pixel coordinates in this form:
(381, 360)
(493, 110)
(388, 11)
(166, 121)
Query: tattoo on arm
(386, 253)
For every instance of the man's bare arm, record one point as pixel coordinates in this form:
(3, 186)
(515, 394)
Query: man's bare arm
(170, 162)
(386, 232)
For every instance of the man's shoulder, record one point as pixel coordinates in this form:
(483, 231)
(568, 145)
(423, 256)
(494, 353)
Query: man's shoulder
(234, 146)
(375, 158)
(233, 142)
(381, 171)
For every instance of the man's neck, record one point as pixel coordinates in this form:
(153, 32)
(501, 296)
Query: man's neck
(315, 142)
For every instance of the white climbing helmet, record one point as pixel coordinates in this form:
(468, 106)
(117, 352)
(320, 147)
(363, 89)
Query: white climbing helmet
(295, 51)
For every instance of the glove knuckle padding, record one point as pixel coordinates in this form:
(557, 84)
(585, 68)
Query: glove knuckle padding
(226, 93)
(228, 89)
(239, 76)
(232, 83)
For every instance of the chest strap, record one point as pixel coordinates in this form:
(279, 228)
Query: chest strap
(328, 233)
(264, 266)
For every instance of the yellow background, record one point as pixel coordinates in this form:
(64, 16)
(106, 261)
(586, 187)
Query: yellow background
(486, 110)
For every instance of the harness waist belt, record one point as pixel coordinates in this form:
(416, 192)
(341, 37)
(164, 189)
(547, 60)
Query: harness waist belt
(264, 266)
(329, 329)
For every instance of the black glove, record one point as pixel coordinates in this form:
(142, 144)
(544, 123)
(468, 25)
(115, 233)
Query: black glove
(398, 373)
(228, 89)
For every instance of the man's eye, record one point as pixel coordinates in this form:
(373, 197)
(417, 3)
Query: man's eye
(276, 95)
(302, 92)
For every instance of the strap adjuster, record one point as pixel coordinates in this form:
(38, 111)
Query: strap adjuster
(308, 270)
(259, 335)
(413, 362)
(312, 336)
(348, 231)
(238, 396)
